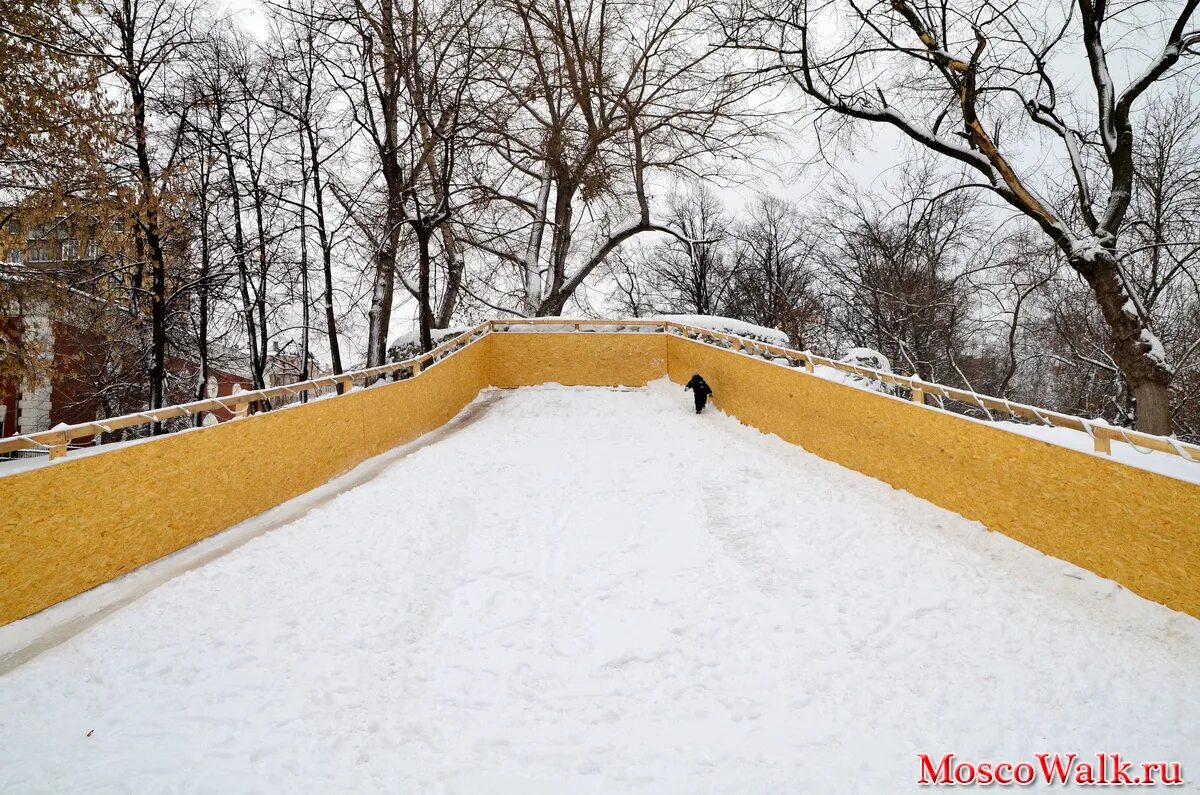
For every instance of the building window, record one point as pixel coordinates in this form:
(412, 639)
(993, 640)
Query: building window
(37, 232)
(39, 253)
(93, 250)
(70, 249)
(13, 255)
(14, 226)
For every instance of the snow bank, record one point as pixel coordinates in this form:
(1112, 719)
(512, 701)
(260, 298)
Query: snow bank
(869, 358)
(707, 609)
(860, 357)
(728, 325)
(710, 322)
(406, 346)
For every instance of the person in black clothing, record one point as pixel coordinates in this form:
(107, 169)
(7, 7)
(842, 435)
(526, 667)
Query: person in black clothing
(700, 391)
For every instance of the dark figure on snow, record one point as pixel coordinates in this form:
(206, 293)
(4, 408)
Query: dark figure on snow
(700, 391)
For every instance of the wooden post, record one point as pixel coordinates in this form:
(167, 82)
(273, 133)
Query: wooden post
(1103, 443)
(58, 447)
(808, 364)
(918, 395)
(416, 366)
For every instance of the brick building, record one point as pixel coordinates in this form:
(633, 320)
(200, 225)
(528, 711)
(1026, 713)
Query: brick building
(68, 395)
(59, 275)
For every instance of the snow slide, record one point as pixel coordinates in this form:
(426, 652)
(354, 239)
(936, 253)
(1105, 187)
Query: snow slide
(597, 591)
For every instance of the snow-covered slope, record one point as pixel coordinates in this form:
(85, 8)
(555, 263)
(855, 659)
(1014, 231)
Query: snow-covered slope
(597, 591)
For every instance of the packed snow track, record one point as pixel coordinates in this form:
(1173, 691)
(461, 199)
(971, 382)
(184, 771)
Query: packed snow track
(596, 590)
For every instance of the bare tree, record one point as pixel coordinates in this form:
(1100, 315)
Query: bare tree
(1026, 267)
(596, 98)
(956, 78)
(376, 34)
(438, 77)
(1162, 259)
(141, 44)
(896, 265)
(1163, 231)
(690, 276)
(301, 94)
(773, 281)
(217, 122)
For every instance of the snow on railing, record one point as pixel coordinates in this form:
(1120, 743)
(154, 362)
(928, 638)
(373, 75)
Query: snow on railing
(551, 324)
(56, 441)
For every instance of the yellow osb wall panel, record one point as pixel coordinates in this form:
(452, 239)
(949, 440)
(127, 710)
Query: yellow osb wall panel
(577, 358)
(76, 524)
(73, 525)
(1135, 527)
(401, 412)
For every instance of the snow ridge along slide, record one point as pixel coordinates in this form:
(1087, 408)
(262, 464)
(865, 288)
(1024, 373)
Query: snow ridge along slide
(80, 522)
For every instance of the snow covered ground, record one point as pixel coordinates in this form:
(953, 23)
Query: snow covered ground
(595, 590)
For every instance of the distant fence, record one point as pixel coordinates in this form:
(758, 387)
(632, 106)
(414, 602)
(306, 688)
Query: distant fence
(56, 442)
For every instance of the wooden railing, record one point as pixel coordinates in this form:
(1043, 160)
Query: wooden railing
(1103, 435)
(56, 441)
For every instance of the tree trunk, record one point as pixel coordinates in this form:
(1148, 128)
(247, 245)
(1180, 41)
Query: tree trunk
(239, 244)
(560, 249)
(533, 251)
(148, 223)
(455, 267)
(158, 368)
(423, 289)
(203, 288)
(335, 351)
(304, 313)
(260, 299)
(554, 305)
(380, 314)
(1153, 407)
(1135, 349)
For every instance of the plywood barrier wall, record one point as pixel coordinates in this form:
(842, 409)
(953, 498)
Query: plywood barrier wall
(577, 358)
(72, 525)
(1132, 526)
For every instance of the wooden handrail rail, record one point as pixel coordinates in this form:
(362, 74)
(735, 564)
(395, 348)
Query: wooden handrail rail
(1103, 435)
(57, 439)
